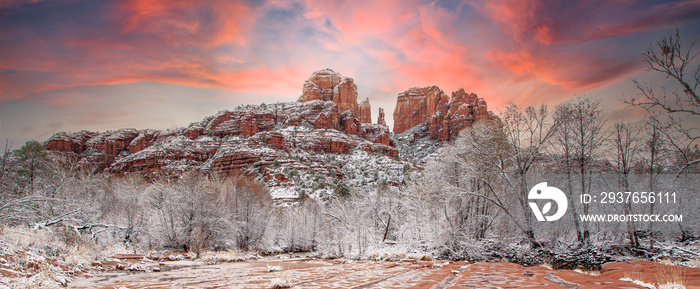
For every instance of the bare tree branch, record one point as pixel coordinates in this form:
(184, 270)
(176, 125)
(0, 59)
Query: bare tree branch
(679, 107)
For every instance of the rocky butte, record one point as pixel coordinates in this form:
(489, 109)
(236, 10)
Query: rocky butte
(325, 133)
(444, 116)
(277, 142)
(328, 85)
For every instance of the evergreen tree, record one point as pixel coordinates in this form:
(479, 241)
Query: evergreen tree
(32, 161)
(341, 189)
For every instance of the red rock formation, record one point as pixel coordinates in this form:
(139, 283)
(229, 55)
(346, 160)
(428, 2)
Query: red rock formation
(381, 149)
(281, 178)
(319, 114)
(327, 119)
(109, 143)
(100, 150)
(416, 105)
(345, 95)
(446, 115)
(69, 142)
(339, 143)
(380, 119)
(328, 85)
(273, 139)
(365, 111)
(115, 142)
(145, 139)
(235, 155)
(251, 120)
(195, 129)
(172, 157)
(349, 123)
(320, 85)
(377, 133)
(228, 141)
(241, 122)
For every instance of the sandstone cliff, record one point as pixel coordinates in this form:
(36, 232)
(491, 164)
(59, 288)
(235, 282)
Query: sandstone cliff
(228, 141)
(365, 111)
(283, 144)
(328, 85)
(445, 115)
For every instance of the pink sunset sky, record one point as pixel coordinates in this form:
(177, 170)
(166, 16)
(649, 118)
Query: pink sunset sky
(101, 65)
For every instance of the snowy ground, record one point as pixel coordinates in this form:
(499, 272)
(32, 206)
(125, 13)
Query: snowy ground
(42, 259)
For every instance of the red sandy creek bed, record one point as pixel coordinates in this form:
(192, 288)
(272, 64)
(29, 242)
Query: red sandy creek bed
(312, 273)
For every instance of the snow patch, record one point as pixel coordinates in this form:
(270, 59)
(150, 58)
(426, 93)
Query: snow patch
(638, 282)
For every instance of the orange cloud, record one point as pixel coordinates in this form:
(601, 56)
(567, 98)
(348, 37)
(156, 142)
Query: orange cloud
(165, 41)
(222, 22)
(549, 22)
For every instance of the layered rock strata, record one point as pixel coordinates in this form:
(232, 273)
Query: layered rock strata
(328, 85)
(445, 115)
(228, 141)
(365, 111)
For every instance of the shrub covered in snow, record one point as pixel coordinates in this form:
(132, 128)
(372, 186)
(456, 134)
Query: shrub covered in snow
(282, 281)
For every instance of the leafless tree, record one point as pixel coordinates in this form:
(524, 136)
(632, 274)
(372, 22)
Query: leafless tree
(654, 146)
(346, 228)
(386, 209)
(125, 207)
(674, 111)
(248, 206)
(579, 142)
(625, 146)
(478, 173)
(296, 227)
(529, 131)
(424, 205)
(197, 212)
(162, 202)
